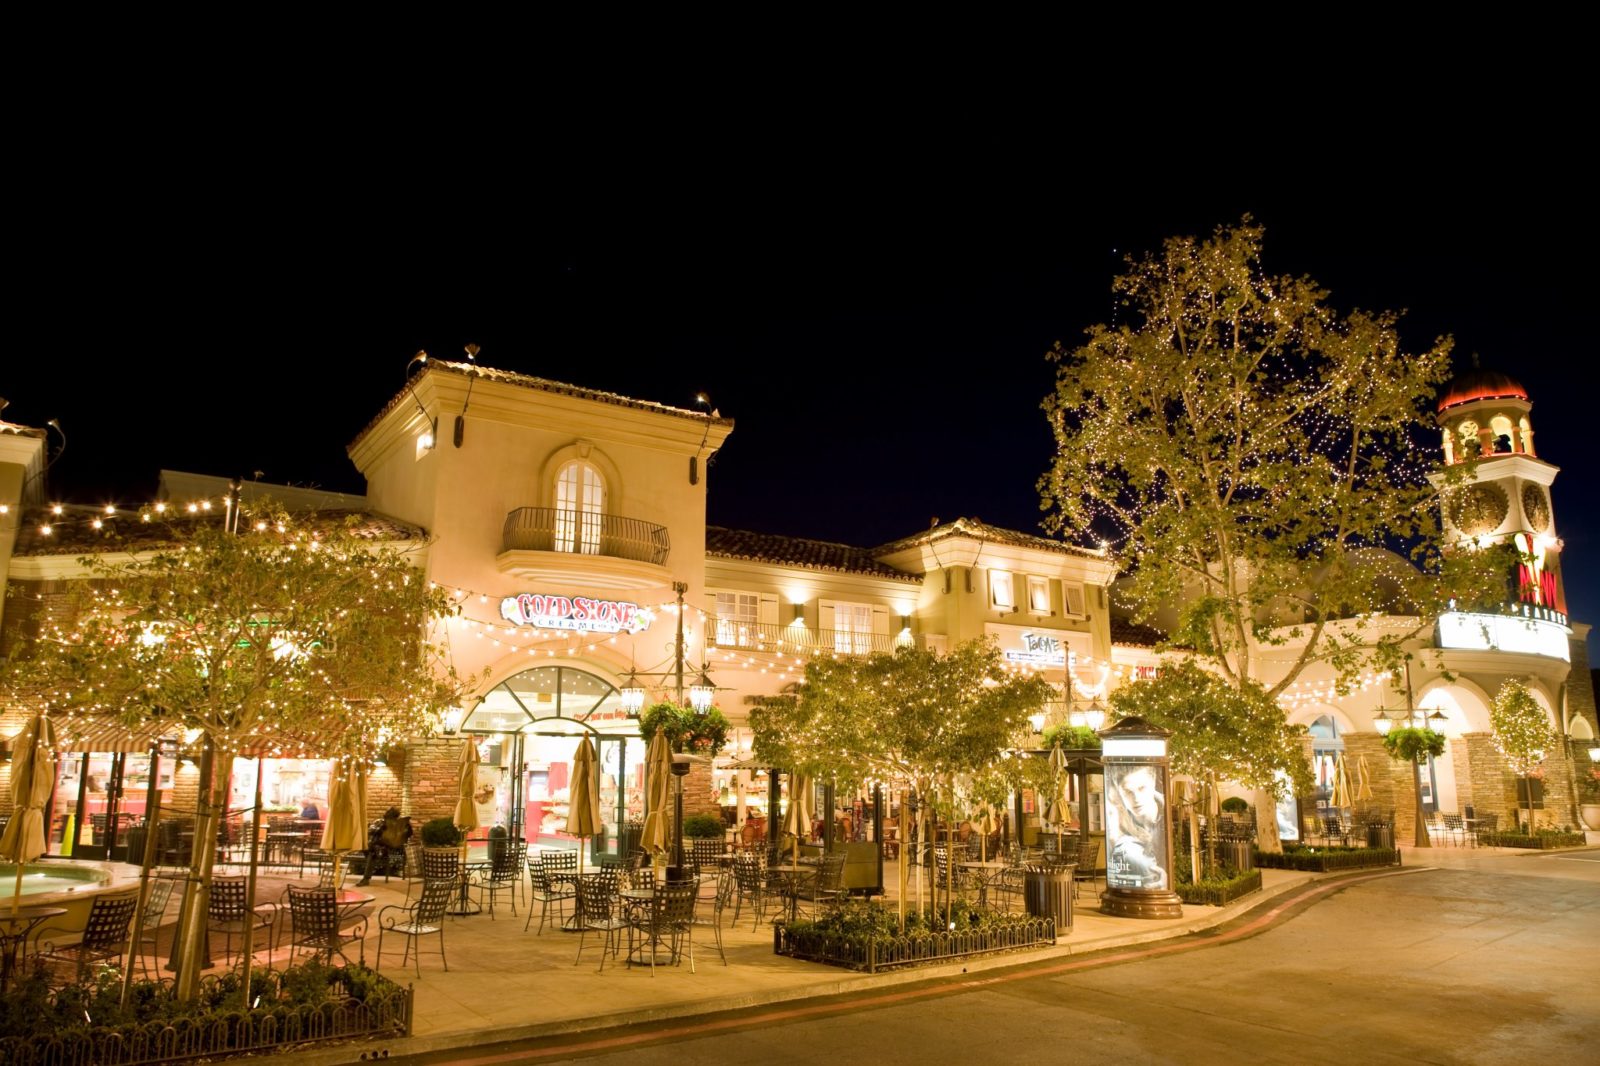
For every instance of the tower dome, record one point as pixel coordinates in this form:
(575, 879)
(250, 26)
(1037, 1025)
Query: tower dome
(1478, 384)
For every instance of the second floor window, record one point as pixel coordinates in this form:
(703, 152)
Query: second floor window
(580, 503)
(852, 628)
(1039, 595)
(737, 615)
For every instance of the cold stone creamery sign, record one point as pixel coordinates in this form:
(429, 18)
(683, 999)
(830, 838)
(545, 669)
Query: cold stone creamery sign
(578, 613)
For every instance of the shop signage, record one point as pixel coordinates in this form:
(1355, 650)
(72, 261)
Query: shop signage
(1038, 649)
(578, 613)
(1499, 632)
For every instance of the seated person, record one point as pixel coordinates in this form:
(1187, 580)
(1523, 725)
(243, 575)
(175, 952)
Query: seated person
(387, 838)
(309, 812)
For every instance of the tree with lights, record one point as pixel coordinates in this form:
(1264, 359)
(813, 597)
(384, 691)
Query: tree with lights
(1220, 732)
(1522, 732)
(1252, 452)
(912, 719)
(296, 636)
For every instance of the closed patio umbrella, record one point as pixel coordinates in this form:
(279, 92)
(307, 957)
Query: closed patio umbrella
(986, 824)
(346, 829)
(797, 819)
(583, 817)
(1060, 807)
(33, 776)
(1341, 784)
(1363, 781)
(658, 795)
(466, 812)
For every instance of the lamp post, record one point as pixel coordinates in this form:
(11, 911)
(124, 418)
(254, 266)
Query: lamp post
(1138, 838)
(1382, 722)
(680, 768)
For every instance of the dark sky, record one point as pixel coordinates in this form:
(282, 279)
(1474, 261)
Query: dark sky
(876, 328)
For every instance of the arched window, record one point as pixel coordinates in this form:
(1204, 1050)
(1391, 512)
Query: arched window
(580, 502)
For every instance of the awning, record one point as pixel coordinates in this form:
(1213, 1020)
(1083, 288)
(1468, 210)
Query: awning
(111, 735)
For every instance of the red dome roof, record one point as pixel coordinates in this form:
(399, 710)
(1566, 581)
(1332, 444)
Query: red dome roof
(1480, 385)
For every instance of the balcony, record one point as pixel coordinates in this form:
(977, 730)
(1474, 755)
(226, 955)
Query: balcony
(794, 639)
(584, 548)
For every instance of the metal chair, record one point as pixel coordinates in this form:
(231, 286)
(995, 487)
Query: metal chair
(228, 912)
(1088, 856)
(544, 891)
(505, 870)
(1487, 826)
(155, 909)
(724, 895)
(669, 916)
(412, 874)
(105, 934)
(316, 924)
(827, 887)
(417, 920)
(750, 881)
(1454, 827)
(595, 907)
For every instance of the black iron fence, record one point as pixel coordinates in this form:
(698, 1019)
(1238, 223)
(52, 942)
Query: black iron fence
(554, 529)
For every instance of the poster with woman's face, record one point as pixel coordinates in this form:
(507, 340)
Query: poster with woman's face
(1136, 826)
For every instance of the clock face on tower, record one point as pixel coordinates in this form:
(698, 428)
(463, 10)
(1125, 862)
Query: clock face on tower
(1479, 509)
(1536, 507)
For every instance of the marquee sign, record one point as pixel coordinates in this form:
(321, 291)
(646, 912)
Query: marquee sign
(1500, 632)
(578, 613)
(1038, 649)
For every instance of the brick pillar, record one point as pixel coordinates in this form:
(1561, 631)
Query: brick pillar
(385, 789)
(428, 784)
(698, 795)
(1390, 780)
(1494, 786)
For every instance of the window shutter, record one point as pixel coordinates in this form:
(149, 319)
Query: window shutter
(768, 611)
(880, 620)
(825, 614)
(1074, 600)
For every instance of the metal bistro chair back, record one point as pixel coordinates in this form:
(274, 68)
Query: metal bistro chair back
(155, 909)
(1487, 825)
(828, 888)
(726, 888)
(544, 889)
(706, 852)
(417, 920)
(412, 874)
(595, 905)
(669, 916)
(505, 870)
(314, 917)
(105, 935)
(228, 912)
(441, 864)
(1088, 859)
(750, 883)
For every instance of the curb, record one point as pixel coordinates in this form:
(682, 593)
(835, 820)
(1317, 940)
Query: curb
(826, 986)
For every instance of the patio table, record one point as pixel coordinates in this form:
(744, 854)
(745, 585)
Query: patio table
(15, 930)
(984, 873)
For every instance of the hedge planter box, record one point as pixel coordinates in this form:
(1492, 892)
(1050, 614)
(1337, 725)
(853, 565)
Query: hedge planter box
(1216, 893)
(156, 1030)
(1324, 860)
(880, 951)
(1539, 841)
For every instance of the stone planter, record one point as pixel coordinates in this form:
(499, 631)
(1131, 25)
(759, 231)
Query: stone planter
(1591, 815)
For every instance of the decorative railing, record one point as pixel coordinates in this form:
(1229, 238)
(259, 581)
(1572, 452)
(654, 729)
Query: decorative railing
(554, 529)
(874, 953)
(765, 637)
(379, 1009)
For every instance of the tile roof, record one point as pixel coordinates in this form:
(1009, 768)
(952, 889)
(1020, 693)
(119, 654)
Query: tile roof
(1132, 634)
(512, 377)
(972, 527)
(74, 533)
(797, 551)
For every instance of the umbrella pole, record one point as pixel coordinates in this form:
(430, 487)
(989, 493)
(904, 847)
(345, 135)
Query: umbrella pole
(16, 893)
(905, 845)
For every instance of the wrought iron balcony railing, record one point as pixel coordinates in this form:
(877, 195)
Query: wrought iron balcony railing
(553, 529)
(790, 639)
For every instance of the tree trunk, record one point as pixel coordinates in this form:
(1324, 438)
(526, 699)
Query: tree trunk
(905, 846)
(1266, 825)
(191, 947)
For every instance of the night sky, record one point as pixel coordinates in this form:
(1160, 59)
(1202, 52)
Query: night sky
(878, 334)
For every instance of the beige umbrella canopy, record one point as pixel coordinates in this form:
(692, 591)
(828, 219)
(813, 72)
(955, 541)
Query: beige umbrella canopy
(1059, 811)
(33, 775)
(346, 829)
(1341, 784)
(658, 795)
(1363, 781)
(466, 812)
(986, 824)
(797, 818)
(583, 817)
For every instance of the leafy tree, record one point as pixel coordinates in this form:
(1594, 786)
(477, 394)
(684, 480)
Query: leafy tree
(1522, 732)
(1220, 732)
(300, 633)
(1248, 448)
(912, 718)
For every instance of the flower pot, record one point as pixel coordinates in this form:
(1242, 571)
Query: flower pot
(1591, 815)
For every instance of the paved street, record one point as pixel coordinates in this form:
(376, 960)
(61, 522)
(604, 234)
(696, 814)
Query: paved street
(1485, 959)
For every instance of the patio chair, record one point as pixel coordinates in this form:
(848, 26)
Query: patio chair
(417, 920)
(942, 873)
(228, 913)
(1088, 861)
(750, 882)
(316, 924)
(707, 853)
(545, 890)
(1487, 825)
(1454, 827)
(412, 873)
(155, 909)
(669, 917)
(724, 896)
(595, 906)
(827, 887)
(441, 864)
(505, 870)
(105, 935)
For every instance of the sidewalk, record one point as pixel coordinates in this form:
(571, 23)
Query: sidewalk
(507, 984)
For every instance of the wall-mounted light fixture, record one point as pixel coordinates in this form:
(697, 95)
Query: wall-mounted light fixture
(1036, 720)
(450, 720)
(799, 615)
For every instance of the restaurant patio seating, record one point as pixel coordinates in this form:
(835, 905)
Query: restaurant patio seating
(1088, 860)
(1454, 827)
(415, 920)
(750, 882)
(228, 912)
(155, 909)
(942, 873)
(827, 886)
(595, 907)
(105, 935)
(412, 874)
(441, 864)
(316, 924)
(504, 873)
(544, 890)
(1487, 825)
(724, 896)
(668, 917)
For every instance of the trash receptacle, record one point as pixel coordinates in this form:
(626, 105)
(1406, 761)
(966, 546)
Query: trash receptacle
(134, 839)
(1380, 835)
(1047, 893)
(1239, 854)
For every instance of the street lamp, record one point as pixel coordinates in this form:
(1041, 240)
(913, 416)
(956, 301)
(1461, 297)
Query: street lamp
(680, 769)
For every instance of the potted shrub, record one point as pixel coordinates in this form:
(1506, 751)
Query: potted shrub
(440, 833)
(1589, 797)
(703, 827)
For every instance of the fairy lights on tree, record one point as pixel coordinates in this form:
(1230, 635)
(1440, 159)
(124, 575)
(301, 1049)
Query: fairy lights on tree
(288, 637)
(1250, 449)
(1522, 732)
